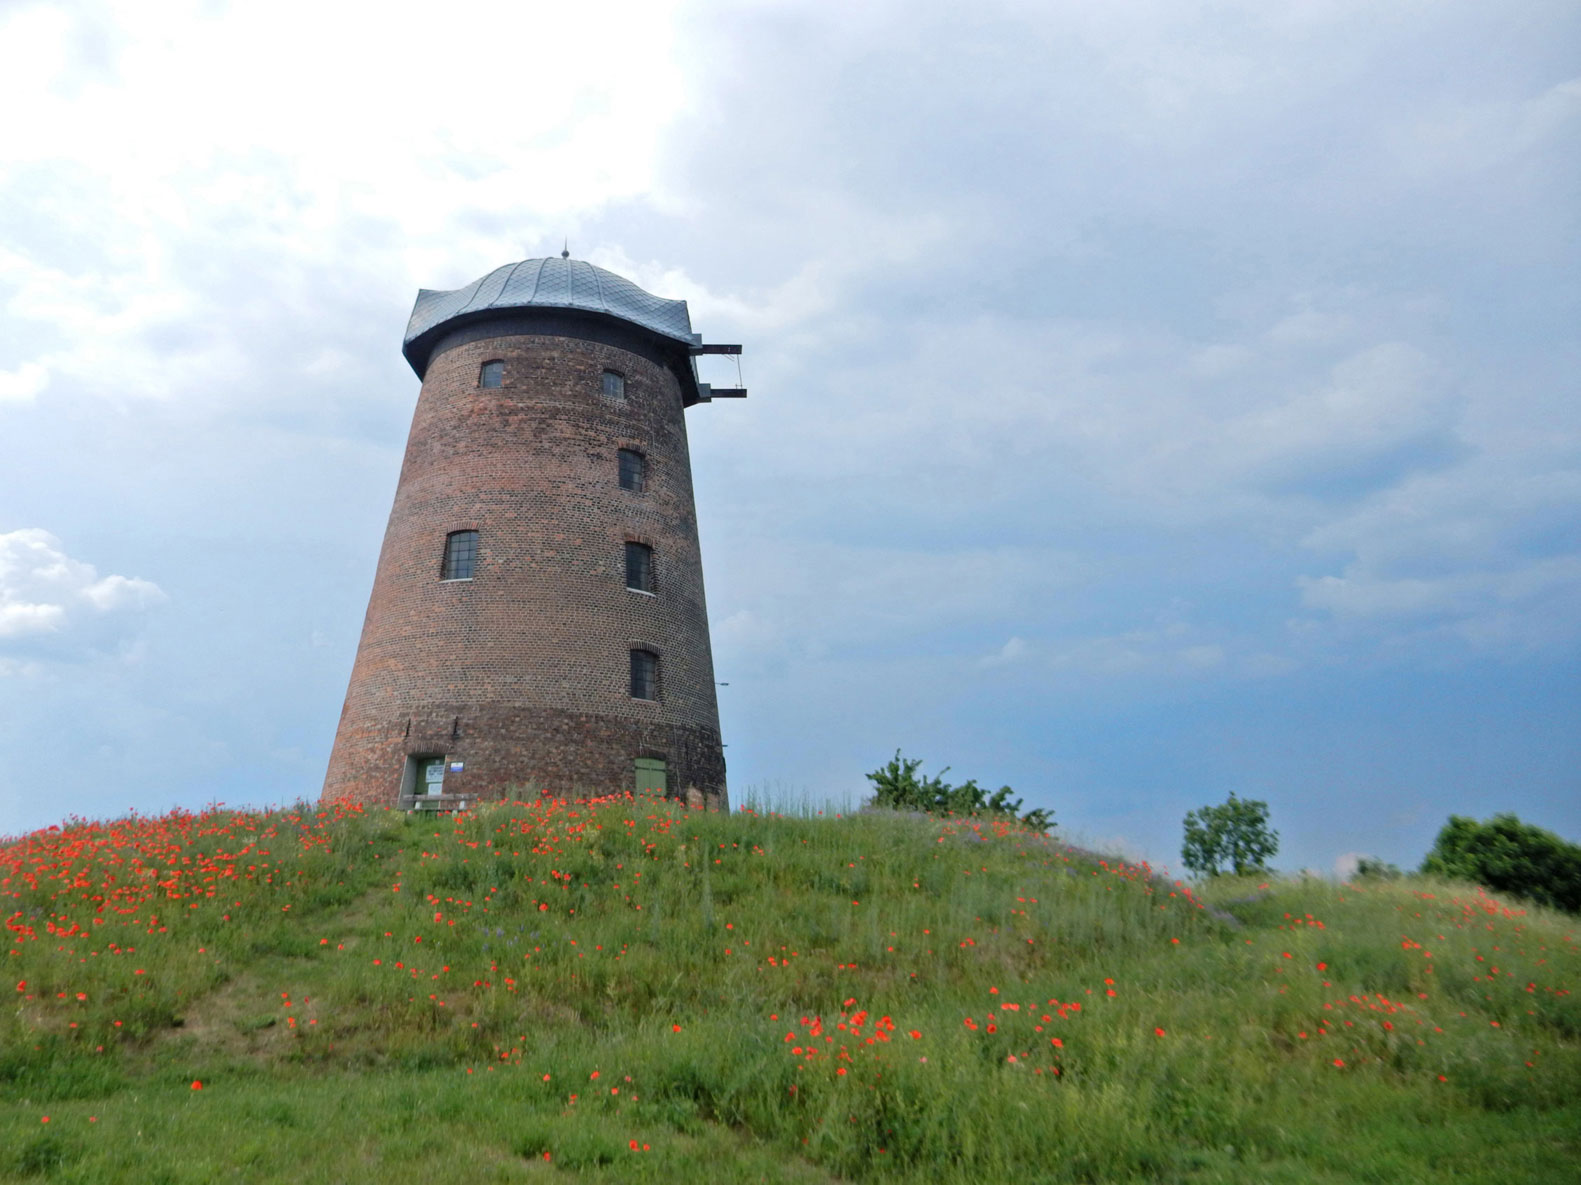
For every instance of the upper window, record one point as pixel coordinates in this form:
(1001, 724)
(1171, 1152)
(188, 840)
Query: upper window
(492, 374)
(633, 470)
(639, 567)
(614, 384)
(644, 675)
(461, 555)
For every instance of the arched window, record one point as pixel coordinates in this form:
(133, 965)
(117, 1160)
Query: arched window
(492, 374)
(639, 567)
(461, 556)
(644, 675)
(614, 384)
(633, 470)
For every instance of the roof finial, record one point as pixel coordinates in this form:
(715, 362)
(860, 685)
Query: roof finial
(565, 252)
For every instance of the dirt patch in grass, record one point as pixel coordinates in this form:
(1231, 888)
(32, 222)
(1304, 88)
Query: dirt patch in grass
(238, 1019)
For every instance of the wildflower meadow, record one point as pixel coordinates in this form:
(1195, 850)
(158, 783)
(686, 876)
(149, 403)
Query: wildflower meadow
(626, 990)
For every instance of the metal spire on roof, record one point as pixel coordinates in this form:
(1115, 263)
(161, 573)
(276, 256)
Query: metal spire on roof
(565, 252)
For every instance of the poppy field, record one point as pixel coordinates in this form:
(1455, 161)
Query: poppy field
(626, 990)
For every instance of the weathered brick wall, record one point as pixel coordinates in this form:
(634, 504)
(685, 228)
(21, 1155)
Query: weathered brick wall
(522, 673)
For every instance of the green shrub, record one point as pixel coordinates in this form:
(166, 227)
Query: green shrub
(1234, 833)
(897, 787)
(1372, 868)
(1510, 856)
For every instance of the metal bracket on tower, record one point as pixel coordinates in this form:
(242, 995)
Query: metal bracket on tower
(706, 391)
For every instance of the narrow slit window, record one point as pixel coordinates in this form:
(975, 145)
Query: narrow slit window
(614, 384)
(492, 374)
(633, 470)
(461, 556)
(639, 567)
(644, 675)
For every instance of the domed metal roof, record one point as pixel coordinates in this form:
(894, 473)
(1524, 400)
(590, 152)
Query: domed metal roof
(555, 283)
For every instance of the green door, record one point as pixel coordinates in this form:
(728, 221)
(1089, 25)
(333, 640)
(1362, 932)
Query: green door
(651, 775)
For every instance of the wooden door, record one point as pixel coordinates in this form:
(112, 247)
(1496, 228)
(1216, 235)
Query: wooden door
(652, 776)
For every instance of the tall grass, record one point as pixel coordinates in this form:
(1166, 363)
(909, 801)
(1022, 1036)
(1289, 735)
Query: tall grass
(767, 995)
(787, 800)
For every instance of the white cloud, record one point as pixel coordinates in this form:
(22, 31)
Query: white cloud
(1054, 315)
(179, 202)
(1360, 595)
(1520, 610)
(1217, 359)
(1485, 552)
(1374, 451)
(1377, 398)
(1308, 328)
(119, 592)
(809, 596)
(1180, 430)
(1345, 864)
(1460, 136)
(24, 382)
(1014, 650)
(53, 606)
(19, 619)
(1496, 507)
(1155, 649)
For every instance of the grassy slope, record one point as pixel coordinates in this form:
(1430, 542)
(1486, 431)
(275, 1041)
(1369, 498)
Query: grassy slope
(456, 998)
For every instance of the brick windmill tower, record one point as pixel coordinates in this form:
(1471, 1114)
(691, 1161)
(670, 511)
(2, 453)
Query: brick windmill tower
(537, 619)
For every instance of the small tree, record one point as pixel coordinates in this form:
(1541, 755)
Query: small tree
(1510, 856)
(1234, 833)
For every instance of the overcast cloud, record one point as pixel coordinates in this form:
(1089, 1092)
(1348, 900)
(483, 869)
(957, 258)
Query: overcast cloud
(1149, 401)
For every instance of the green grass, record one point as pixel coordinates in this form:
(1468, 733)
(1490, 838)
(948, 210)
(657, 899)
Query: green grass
(455, 998)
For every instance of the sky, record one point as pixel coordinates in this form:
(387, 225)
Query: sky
(1150, 401)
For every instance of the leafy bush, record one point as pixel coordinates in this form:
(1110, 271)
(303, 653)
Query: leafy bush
(1372, 868)
(898, 787)
(1234, 833)
(1511, 856)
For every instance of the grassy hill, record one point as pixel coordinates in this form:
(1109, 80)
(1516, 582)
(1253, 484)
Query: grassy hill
(628, 991)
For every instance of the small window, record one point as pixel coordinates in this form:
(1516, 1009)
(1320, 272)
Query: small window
(614, 384)
(644, 675)
(461, 555)
(633, 470)
(492, 374)
(639, 567)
